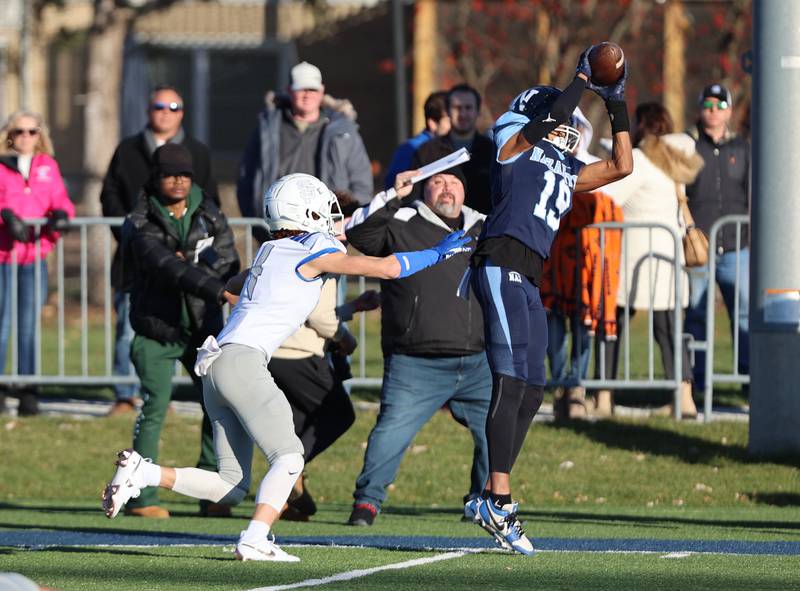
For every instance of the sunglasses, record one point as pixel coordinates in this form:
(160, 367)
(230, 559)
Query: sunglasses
(19, 131)
(720, 106)
(173, 106)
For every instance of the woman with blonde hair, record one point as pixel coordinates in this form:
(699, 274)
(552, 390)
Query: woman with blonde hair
(30, 187)
(663, 163)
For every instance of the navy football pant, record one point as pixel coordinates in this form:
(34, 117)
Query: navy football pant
(515, 323)
(515, 326)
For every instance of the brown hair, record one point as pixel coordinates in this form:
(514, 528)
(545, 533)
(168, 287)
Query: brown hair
(278, 234)
(43, 143)
(651, 119)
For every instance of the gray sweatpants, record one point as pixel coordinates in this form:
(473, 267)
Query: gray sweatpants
(245, 407)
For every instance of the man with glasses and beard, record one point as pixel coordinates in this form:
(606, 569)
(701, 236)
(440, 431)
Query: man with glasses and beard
(122, 186)
(432, 340)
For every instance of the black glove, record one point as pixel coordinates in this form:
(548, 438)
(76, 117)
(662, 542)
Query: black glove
(15, 226)
(58, 221)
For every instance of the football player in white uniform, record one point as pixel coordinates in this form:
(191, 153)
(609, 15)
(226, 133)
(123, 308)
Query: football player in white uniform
(276, 294)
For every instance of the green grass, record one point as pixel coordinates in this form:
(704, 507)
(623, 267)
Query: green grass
(652, 479)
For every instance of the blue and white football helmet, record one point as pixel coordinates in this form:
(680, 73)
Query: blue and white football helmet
(301, 202)
(535, 103)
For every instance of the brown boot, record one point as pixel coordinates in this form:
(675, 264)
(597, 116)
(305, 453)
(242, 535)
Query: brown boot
(122, 407)
(150, 512)
(604, 403)
(576, 397)
(688, 408)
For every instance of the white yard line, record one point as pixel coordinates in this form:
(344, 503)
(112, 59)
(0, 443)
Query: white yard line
(355, 574)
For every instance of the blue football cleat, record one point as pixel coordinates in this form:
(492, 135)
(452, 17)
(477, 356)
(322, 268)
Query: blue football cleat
(474, 506)
(503, 524)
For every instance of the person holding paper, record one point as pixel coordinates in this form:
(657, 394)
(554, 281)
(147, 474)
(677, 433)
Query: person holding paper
(432, 340)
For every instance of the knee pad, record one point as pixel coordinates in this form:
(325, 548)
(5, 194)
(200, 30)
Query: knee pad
(293, 463)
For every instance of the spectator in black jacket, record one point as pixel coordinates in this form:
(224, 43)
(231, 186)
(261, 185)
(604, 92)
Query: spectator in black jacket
(432, 340)
(179, 252)
(122, 186)
(463, 107)
(722, 188)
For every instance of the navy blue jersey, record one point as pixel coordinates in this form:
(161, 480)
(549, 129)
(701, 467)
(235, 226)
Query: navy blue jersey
(530, 195)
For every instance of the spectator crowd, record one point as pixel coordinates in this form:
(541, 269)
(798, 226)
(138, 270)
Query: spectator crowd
(175, 253)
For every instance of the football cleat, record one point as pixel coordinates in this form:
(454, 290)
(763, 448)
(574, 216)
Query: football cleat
(503, 522)
(471, 509)
(264, 549)
(474, 506)
(127, 483)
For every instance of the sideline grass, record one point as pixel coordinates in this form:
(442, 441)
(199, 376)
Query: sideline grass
(642, 463)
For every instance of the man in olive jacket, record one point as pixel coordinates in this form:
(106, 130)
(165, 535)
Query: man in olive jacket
(179, 252)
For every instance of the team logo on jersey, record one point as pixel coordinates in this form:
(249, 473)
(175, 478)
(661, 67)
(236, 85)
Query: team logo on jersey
(514, 277)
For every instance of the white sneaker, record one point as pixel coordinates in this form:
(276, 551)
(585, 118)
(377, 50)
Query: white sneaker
(263, 549)
(127, 483)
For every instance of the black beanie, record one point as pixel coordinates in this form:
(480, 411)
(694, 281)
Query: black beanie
(173, 159)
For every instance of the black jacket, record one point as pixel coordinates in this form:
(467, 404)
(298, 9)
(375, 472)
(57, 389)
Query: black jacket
(477, 171)
(128, 172)
(421, 314)
(722, 187)
(159, 280)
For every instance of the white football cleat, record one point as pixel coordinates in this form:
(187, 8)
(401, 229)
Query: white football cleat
(263, 549)
(127, 483)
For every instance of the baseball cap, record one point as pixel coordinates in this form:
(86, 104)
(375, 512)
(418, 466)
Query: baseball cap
(305, 76)
(717, 91)
(173, 159)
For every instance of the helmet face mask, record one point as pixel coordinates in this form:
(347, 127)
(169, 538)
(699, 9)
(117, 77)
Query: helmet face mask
(564, 137)
(301, 202)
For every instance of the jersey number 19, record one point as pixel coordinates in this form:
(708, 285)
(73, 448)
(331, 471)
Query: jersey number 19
(551, 212)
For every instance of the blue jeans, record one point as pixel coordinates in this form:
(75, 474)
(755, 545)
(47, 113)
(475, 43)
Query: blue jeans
(695, 322)
(414, 388)
(557, 348)
(122, 346)
(27, 310)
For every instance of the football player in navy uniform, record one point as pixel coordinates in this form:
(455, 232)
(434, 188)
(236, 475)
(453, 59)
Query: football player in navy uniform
(533, 179)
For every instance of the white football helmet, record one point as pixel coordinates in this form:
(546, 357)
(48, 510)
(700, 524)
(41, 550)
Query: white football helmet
(301, 202)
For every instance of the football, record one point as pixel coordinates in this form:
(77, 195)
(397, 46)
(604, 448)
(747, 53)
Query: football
(607, 62)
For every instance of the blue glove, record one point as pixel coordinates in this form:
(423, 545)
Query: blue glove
(583, 64)
(450, 245)
(611, 93)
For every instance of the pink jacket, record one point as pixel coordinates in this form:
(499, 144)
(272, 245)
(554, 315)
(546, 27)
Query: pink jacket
(42, 193)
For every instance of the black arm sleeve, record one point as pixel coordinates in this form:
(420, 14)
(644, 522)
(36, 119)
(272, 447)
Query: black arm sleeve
(562, 108)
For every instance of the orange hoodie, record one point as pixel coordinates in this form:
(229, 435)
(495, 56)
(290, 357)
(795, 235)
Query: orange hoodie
(580, 278)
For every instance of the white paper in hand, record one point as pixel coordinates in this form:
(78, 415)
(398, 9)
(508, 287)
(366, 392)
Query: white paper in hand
(435, 167)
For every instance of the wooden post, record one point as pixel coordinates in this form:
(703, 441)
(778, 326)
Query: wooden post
(674, 73)
(425, 59)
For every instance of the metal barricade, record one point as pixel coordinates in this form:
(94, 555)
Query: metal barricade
(708, 346)
(97, 231)
(626, 381)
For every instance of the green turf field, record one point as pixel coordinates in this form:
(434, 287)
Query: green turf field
(645, 481)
